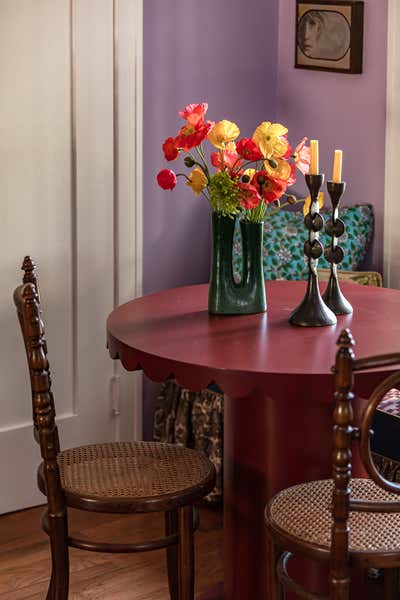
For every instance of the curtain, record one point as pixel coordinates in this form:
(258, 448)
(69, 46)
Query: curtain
(194, 420)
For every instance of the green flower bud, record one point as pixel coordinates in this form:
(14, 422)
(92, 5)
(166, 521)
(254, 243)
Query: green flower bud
(189, 162)
(245, 179)
(272, 163)
(277, 203)
(291, 199)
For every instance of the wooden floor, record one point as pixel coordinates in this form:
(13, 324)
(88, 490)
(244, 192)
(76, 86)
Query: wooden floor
(25, 557)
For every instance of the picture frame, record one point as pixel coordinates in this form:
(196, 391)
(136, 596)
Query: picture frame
(329, 35)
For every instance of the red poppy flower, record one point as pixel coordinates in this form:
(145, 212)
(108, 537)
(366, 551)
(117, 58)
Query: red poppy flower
(270, 188)
(248, 149)
(249, 196)
(259, 178)
(194, 113)
(190, 136)
(170, 149)
(273, 189)
(166, 179)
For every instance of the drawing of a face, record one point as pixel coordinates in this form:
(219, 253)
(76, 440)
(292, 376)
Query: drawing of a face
(324, 35)
(311, 33)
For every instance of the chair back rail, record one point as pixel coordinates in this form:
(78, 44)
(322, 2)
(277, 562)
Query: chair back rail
(28, 308)
(29, 268)
(344, 435)
(374, 362)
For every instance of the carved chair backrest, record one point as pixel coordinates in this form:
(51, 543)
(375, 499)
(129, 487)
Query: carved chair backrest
(27, 304)
(29, 268)
(345, 433)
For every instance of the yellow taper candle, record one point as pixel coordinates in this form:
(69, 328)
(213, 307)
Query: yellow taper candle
(337, 166)
(314, 167)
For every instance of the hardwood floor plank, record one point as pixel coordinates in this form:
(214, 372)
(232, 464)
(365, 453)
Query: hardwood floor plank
(25, 557)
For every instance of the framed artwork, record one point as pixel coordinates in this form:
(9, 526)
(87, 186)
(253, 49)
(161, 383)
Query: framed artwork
(329, 35)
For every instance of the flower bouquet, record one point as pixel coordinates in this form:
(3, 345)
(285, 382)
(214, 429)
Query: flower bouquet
(251, 177)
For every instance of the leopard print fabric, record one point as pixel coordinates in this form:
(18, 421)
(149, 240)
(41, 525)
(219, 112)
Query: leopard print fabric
(193, 420)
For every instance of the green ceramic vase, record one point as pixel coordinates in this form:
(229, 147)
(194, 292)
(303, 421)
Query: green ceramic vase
(226, 297)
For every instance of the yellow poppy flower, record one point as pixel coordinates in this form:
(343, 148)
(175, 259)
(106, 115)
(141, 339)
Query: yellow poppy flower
(197, 180)
(268, 137)
(282, 171)
(222, 133)
(306, 205)
(231, 147)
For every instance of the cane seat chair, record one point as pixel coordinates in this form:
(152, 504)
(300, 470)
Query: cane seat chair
(342, 521)
(120, 477)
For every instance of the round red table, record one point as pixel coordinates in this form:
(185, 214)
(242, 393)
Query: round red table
(278, 386)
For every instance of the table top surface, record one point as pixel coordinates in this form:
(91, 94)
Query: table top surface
(174, 326)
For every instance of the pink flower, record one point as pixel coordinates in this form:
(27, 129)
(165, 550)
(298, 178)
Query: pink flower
(166, 179)
(302, 156)
(170, 149)
(292, 178)
(230, 159)
(248, 149)
(194, 113)
(249, 196)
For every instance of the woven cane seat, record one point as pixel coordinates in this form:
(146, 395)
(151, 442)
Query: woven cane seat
(131, 471)
(304, 511)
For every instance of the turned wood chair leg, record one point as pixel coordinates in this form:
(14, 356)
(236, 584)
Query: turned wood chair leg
(341, 591)
(391, 584)
(50, 590)
(275, 586)
(171, 526)
(186, 553)
(59, 583)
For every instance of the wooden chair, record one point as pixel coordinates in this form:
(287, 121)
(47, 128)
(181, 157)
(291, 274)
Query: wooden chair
(120, 477)
(343, 521)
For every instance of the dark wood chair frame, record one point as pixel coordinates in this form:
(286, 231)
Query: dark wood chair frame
(181, 519)
(282, 546)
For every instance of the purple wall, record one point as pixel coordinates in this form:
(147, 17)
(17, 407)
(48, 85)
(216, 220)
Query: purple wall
(217, 51)
(342, 111)
(214, 51)
(232, 57)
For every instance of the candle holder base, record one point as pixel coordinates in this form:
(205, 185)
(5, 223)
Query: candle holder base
(334, 299)
(333, 296)
(312, 312)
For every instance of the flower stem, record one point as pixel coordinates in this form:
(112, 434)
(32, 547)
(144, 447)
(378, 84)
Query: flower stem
(200, 152)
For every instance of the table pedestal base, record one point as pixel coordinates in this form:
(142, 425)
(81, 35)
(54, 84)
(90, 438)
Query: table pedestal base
(272, 441)
(216, 593)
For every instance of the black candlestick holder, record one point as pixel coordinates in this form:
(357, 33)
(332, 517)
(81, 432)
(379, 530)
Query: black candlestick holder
(333, 296)
(313, 312)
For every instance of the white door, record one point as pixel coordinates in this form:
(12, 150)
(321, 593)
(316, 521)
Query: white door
(69, 127)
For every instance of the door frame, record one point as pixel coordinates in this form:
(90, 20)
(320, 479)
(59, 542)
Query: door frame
(391, 246)
(126, 395)
(128, 186)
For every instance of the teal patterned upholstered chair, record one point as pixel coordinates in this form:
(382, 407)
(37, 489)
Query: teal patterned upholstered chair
(284, 236)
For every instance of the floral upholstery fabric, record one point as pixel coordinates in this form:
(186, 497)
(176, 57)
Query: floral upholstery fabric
(194, 420)
(285, 234)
